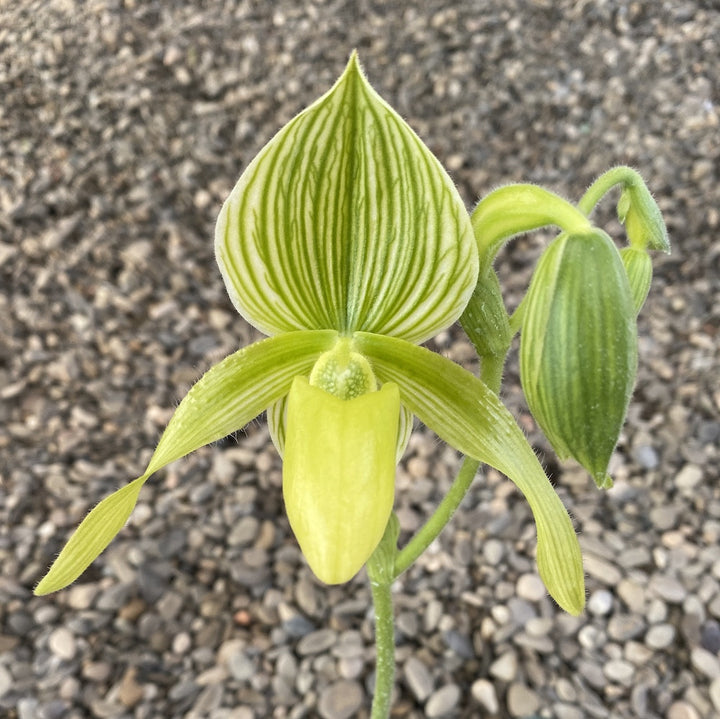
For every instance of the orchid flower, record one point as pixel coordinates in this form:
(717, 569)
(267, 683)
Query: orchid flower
(346, 242)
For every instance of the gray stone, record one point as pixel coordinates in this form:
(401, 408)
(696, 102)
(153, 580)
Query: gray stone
(632, 594)
(459, 643)
(27, 708)
(602, 570)
(688, 477)
(240, 665)
(710, 636)
(600, 602)
(521, 701)
(340, 700)
(493, 551)
(443, 701)
(705, 662)
(418, 678)
(620, 671)
(682, 710)
(668, 588)
(62, 643)
(6, 681)
(566, 711)
(622, 627)
(646, 456)
(715, 694)
(316, 642)
(484, 694)
(530, 587)
(660, 636)
(505, 667)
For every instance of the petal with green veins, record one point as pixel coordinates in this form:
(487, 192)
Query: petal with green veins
(95, 532)
(345, 220)
(463, 412)
(224, 399)
(339, 475)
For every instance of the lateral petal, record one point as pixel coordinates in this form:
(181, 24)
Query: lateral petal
(468, 416)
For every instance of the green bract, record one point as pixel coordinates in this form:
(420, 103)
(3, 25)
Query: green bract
(578, 351)
(347, 241)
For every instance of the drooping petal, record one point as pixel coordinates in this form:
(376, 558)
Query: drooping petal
(346, 220)
(226, 398)
(95, 532)
(468, 416)
(339, 475)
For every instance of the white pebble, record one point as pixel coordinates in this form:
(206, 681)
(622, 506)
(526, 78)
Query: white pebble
(530, 587)
(660, 636)
(62, 643)
(484, 693)
(600, 602)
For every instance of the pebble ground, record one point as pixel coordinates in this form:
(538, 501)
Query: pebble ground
(123, 125)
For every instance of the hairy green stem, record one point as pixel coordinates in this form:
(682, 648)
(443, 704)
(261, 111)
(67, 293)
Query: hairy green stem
(427, 534)
(387, 564)
(385, 649)
(621, 175)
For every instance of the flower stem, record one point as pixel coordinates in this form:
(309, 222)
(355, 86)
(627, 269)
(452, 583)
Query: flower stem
(440, 517)
(621, 175)
(385, 649)
(491, 368)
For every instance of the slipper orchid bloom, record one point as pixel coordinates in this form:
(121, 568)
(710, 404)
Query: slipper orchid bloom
(348, 245)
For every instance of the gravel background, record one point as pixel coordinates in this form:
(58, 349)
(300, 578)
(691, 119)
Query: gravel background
(123, 125)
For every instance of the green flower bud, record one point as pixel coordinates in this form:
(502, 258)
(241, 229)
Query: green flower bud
(639, 271)
(485, 319)
(642, 218)
(578, 352)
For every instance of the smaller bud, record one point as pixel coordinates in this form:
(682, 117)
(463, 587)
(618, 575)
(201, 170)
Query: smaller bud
(639, 271)
(578, 351)
(485, 319)
(642, 218)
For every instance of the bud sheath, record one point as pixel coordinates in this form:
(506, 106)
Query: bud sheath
(578, 353)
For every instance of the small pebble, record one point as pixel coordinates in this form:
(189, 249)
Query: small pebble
(531, 588)
(483, 692)
(443, 701)
(682, 710)
(418, 678)
(505, 667)
(340, 700)
(521, 701)
(705, 662)
(62, 643)
(600, 602)
(660, 636)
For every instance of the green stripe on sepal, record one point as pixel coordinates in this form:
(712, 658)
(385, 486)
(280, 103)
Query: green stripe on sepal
(578, 349)
(638, 266)
(95, 532)
(345, 220)
(463, 412)
(339, 475)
